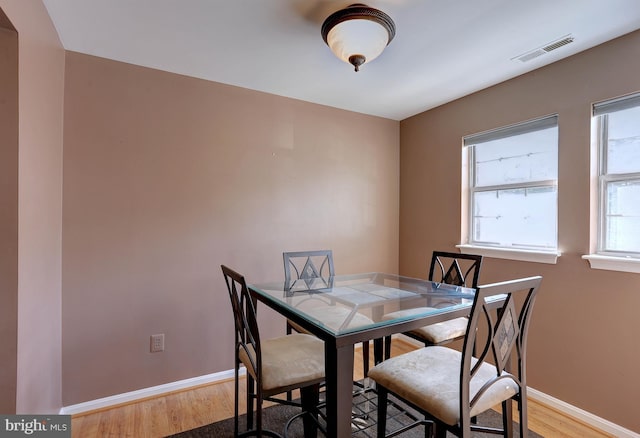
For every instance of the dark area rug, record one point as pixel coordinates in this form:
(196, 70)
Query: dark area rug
(363, 425)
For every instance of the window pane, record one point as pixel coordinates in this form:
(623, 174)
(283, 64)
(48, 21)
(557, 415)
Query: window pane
(517, 159)
(622, 220)
(516, 218)
(623, 155)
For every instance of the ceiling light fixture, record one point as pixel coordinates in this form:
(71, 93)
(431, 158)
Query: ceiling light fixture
(358, 33)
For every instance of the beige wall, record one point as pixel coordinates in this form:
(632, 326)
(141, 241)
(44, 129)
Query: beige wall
(165, 178)
(39, 215)
(583, 346)
(8, 214)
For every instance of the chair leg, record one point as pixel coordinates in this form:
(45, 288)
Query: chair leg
(250, 397)
(235, 399)
(383, 395)
(258, 412)
(365, 358)
(428, 429)
(441, 431)
(387, 347)
(289, 331)
(378, 351)
(507, 418)
(522, 406)
(310, 398)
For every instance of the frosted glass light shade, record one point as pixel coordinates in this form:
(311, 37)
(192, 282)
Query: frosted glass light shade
(358, 33)
(358, 37)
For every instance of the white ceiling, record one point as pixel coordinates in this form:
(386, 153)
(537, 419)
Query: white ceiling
(443, 49)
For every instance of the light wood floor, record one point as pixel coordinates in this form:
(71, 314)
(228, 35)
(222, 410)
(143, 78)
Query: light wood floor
(179, 411)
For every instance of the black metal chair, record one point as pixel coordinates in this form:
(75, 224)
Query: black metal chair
(450, 387)
(450, 268)
(274, 366)
(311, 266)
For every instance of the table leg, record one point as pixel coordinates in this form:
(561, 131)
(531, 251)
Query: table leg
(339, 389)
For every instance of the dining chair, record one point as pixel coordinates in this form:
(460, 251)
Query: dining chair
(450, 387)
(269, 363)
(308, 266)
(450, 268)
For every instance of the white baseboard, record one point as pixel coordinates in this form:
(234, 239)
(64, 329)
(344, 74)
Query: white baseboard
(128, 397)
(153, 391)
(581, 415)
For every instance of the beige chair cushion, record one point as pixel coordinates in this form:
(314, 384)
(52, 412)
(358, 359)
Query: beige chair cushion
(335, 317)
(430, 379)
(288, 361)
(443, 331)
(434, 333)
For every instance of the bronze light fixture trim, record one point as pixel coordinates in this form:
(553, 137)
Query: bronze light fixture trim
(358, 33)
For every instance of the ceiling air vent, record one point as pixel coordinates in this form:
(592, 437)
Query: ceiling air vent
(544, 49)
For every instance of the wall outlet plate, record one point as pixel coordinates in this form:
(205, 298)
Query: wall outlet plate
(157, 343)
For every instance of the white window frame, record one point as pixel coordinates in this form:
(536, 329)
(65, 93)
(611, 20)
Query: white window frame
(600, 258)
(468, 187)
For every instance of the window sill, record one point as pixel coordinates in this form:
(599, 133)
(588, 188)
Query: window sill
(610, 263)
(512, 254)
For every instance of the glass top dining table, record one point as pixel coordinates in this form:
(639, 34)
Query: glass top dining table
(344, 310)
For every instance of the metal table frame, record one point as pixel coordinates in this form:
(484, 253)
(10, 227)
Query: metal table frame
(339, 347)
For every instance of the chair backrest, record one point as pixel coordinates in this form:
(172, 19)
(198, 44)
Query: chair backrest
(247, 336)
(495, 333)
(455, 268)
(308, 266)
